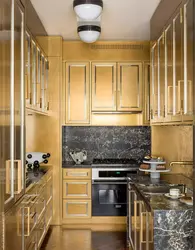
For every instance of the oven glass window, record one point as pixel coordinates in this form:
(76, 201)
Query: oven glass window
(110, 196)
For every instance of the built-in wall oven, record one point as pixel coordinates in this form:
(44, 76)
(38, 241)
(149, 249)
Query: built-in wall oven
(109, 190)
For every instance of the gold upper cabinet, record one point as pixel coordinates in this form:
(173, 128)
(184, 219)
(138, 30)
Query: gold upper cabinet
(104, 86)
(77, 93)
(129, 87)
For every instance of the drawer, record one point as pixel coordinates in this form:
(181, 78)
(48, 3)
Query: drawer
(73, 189)
(82, 174)
(31, 242)
(76, 209)
(41, 205)
(49, 213)
(41, 230)
(29, 204)
(49, 189)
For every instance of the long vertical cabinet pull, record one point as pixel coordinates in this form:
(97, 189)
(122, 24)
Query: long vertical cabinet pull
(22, 163)
(12, 97)
(19, 176)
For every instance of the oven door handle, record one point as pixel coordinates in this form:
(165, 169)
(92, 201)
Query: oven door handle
(108, 183)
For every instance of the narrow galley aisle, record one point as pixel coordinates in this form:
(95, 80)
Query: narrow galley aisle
(83, 239)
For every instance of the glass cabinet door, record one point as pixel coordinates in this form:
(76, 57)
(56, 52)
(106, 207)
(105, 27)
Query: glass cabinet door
(46, 88)
(19, 103)
(178, 66)
(38, 81)
(188, 60)
(6, 101)
(161, 78)
(34, 74)
(168, 73)
(42, 99)
(28, 94)
(154, 85)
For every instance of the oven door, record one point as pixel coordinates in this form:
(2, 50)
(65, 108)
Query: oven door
(109, 198)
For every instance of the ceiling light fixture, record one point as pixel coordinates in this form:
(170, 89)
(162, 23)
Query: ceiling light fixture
(88, 9)
(89, 33)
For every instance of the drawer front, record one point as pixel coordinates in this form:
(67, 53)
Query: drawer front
(49, 213)
(81, 174)
(31, 242)
(41, 230)
(49, 190)
(76, 189)
(77, 209)
(41, 205)
(30, 214)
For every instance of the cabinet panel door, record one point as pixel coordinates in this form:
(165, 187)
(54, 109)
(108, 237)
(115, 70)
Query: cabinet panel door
(129, 87)
(77, 93)
(76, 189)
(188, 61)
(76, 209)
(103, 86)
(178, 68)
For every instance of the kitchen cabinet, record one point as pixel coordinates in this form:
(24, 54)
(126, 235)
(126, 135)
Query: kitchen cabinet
(140, 231)
(129, 84)
(172, 67)
(104, 86)
(76, 193)
(36, 77)
(117, 86)
(188, 15)
(37, 212)
(77, 83)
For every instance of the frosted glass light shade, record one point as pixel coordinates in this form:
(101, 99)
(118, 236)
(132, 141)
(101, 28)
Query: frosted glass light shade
(88, 9)
(89, 33)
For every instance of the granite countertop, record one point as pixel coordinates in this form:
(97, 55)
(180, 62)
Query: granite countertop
(160, 202)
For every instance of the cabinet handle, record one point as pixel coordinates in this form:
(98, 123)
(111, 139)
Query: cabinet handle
(41, 104)
(181, 15)
(29, 217)
(77, 174)
(30, 101)
(48, 106)
(164, 111)
(152, 114)
(19, 176)
(142, 227)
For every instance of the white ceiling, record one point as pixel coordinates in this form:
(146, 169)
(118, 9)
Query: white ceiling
(121, 19)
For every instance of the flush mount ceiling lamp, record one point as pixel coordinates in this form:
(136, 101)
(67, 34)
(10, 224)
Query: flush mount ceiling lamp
(88, 9)
(89, 33)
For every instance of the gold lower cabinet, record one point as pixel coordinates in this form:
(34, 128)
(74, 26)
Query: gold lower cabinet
(76, 209)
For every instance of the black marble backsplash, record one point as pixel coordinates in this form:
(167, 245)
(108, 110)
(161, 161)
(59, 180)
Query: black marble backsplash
(107, 142)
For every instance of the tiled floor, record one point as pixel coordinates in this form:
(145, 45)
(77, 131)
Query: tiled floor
(70, 239)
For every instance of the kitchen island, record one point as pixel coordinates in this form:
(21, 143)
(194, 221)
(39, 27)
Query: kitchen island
(164, 223)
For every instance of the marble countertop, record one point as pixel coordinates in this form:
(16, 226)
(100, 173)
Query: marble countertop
(160, 202)
(34, 178)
